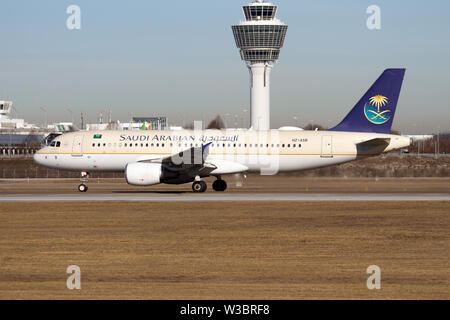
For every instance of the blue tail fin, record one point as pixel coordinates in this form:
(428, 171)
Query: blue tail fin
(376, 109)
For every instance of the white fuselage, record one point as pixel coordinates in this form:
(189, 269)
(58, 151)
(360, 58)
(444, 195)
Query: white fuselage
(268, 152)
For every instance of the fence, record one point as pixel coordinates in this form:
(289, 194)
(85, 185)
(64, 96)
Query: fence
(17, 152)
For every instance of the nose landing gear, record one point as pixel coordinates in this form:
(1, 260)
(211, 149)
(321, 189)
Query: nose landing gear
(84, 180)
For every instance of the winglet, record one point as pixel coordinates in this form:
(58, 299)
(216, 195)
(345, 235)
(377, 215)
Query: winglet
(205, 147)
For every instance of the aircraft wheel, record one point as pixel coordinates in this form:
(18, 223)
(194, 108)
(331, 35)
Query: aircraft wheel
(199, 186)
(219, 185)
(82, 188)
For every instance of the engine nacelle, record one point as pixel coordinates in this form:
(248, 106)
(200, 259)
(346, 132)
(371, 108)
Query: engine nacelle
(143, 174)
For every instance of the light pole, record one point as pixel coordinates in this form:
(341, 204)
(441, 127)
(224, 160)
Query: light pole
(71, 115)
(244, 117)
(46, 117)
(439, 132)
(226, 119)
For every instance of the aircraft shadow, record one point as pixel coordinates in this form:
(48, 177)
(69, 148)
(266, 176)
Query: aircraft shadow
(150, 192)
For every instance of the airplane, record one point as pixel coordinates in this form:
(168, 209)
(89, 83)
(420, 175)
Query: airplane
(178, 157)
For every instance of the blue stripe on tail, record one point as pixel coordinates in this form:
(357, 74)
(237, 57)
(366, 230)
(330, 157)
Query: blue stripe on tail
(376, 109)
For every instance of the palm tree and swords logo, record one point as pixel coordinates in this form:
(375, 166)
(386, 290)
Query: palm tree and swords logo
(373, 110)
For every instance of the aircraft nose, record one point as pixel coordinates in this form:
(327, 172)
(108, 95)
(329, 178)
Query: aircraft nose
(37, 158)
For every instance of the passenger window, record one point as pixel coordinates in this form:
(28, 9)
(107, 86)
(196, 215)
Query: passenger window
(93, 144)
(162, 145)
(99, 144)
(289, 145)
(283, 145)
(125, 145)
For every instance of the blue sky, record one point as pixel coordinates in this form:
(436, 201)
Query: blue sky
(178, 58)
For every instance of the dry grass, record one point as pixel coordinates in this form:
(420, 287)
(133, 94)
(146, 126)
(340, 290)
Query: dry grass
(225, 251)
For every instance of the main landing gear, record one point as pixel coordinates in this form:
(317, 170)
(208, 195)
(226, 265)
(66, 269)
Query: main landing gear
(84, 180)
(219, 185)
(200, 186)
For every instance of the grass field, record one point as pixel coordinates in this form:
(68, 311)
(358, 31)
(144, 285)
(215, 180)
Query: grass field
(225, 250)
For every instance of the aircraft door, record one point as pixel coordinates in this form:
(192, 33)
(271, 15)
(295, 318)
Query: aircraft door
(327, 147)
(77, 146)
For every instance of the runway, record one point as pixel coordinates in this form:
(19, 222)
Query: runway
(130, 196)
(258, 189)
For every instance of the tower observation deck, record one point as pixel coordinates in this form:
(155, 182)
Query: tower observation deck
(260, 38)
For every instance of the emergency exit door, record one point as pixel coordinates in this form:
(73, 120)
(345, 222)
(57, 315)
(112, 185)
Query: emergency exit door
(327, 147)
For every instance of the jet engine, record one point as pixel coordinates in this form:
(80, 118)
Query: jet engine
(143, 174)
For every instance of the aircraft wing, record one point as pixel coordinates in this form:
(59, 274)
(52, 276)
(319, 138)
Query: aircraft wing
(187, 159)
(195, 161)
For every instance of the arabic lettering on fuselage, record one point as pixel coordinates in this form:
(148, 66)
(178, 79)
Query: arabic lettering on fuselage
(178, 138)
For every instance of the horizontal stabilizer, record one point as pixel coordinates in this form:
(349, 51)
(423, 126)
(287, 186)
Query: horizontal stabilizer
(372, 147)
(375, 142)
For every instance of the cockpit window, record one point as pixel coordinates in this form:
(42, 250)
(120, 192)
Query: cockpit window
(58, 144)
(53, 144)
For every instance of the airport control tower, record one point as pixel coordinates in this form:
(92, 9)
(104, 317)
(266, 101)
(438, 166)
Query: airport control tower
(260, 39)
